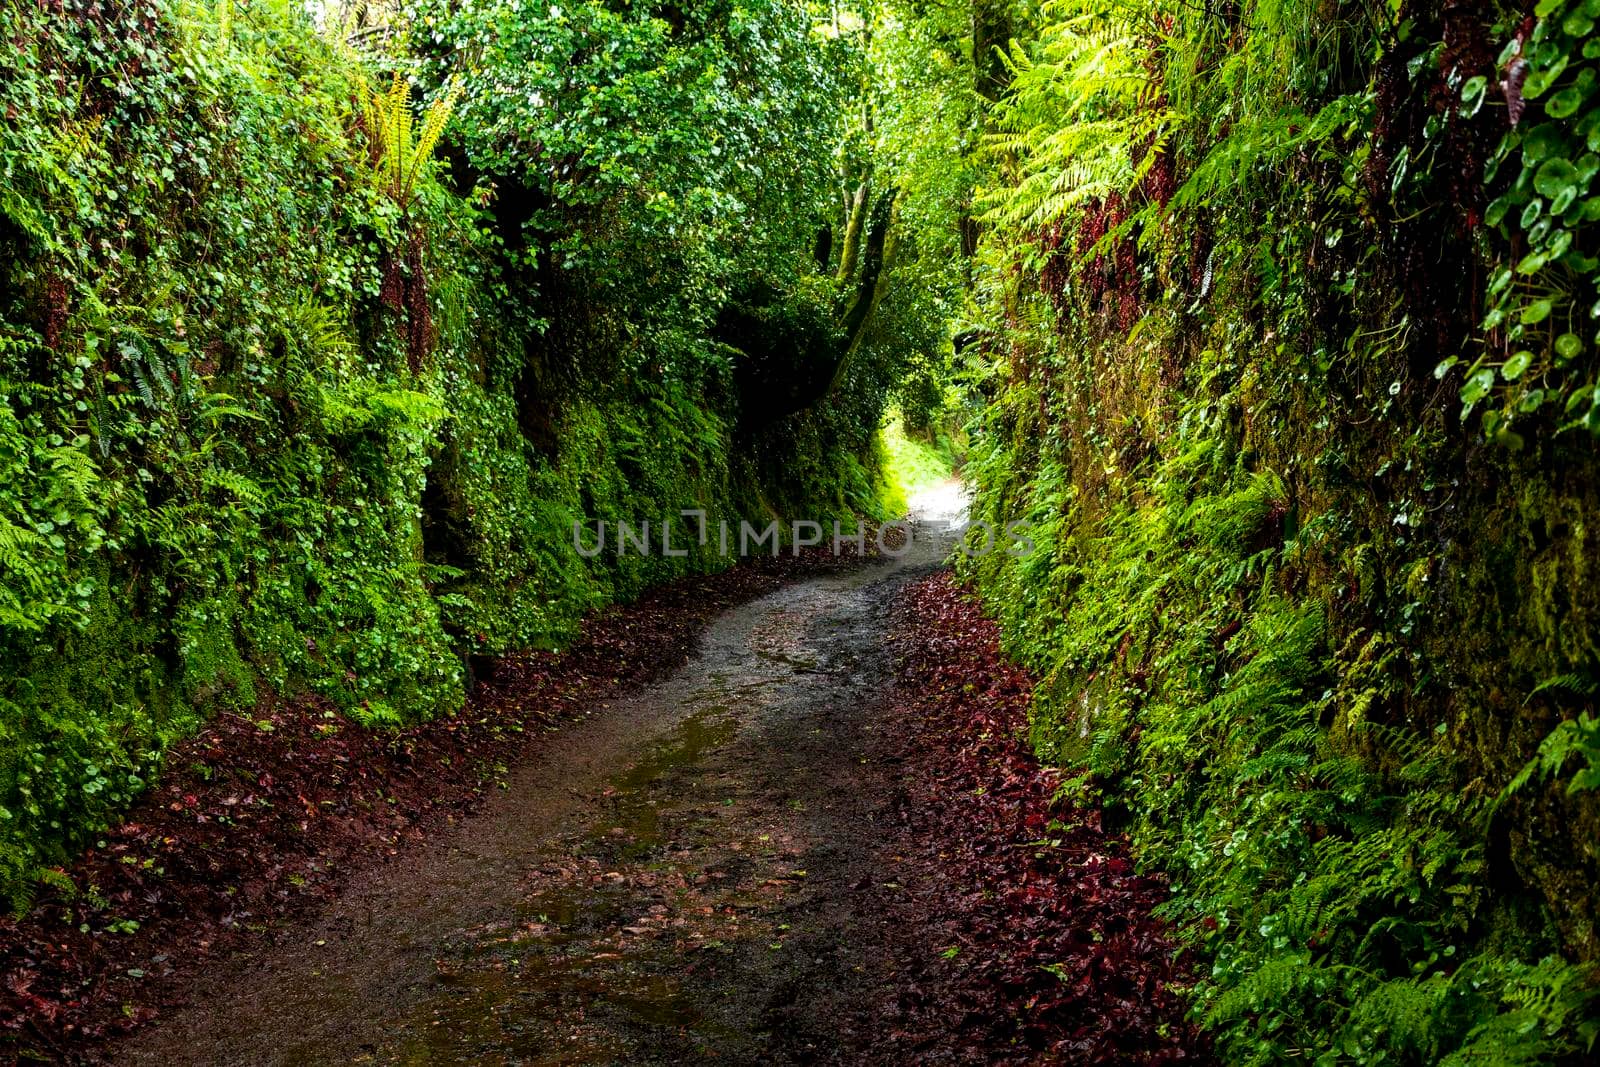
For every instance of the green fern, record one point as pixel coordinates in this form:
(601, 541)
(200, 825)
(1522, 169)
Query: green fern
(235, 484)
(1083, 119)
(1276, 984)
(24, 580)
(399, 152)
(1575, 737)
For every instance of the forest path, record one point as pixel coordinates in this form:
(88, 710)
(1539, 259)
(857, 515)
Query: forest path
(676, 878)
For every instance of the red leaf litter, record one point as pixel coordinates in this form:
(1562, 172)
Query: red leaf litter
(1038, 945)
(262, 816)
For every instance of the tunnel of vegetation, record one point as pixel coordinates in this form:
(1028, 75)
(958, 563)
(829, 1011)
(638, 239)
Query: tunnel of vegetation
(1275, 318)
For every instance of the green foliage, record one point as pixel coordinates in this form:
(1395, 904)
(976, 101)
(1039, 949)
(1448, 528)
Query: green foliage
(631, 146)
(1291, 615)
(1078, 102)
(915, 463)
(1322, 857)
(276, 412)
(1575, 737)
(400, 155)
(1542, 306)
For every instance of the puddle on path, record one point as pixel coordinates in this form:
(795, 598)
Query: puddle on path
(622, 922)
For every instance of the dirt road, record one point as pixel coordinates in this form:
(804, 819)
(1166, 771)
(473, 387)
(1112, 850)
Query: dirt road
(677, 878)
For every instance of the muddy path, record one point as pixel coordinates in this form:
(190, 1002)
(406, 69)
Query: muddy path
(677, 878)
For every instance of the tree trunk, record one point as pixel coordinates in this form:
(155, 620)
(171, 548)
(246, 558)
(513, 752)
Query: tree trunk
(852, 233)
(870, 290)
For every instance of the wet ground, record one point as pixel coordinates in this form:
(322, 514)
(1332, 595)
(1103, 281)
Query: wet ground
(683, 876)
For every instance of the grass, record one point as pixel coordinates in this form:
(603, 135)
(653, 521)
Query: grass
(915, 463)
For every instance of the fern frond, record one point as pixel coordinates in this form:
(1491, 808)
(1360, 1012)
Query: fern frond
(237, 485)
(76, 472)
(399, 151)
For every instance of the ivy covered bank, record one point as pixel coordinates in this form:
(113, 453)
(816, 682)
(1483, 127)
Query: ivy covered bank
(312, 351)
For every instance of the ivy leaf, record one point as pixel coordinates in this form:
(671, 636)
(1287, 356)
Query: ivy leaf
(1544, 141)
(1565, 103)
(1555, 177)
(1536, 312)
(1402, 164)
(1478, 385)
(1539, 81)
(1516, 366)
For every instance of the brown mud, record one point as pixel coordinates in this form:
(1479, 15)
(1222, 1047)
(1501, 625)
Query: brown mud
(669, 880)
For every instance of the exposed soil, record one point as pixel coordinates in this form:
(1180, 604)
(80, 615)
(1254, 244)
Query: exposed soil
(261, 819)
(819, 840)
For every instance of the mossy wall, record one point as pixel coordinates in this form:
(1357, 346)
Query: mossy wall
(1301, 612)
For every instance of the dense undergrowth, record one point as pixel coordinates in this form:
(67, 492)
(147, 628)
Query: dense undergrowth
(1286, 322)
(311, 355)
(916, 459)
